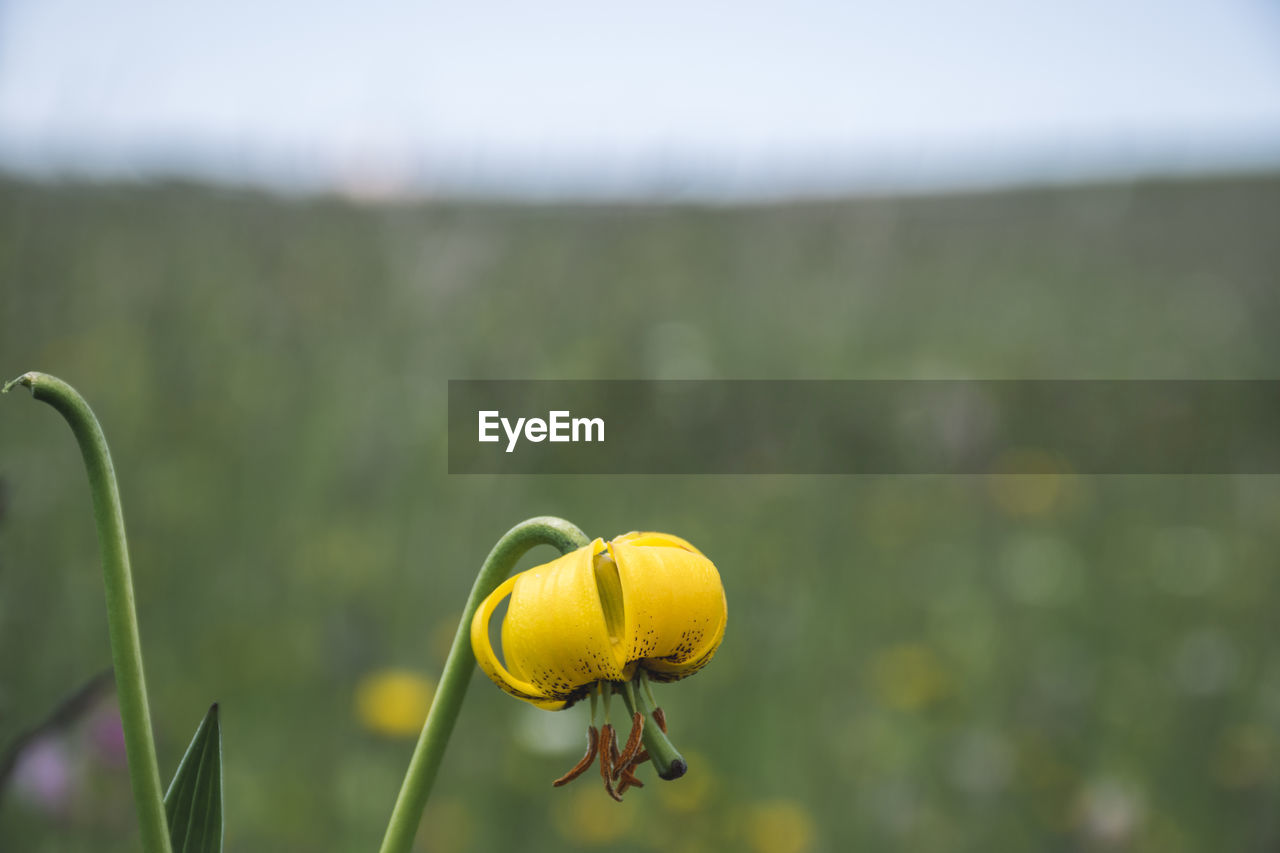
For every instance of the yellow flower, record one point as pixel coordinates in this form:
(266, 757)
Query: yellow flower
(394, 702)
(599, 621)
(643, 600)
(780, 826)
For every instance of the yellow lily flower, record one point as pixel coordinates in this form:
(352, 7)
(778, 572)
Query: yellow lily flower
(598, 621)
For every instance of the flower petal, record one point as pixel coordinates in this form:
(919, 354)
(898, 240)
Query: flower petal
(555, 634)
(637, 537)
(675, 609)
(488, 659)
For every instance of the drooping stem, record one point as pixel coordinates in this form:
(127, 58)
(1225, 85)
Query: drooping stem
(458, 667)
(122, 620)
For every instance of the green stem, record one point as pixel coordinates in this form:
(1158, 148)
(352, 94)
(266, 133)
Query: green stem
(122, 620)
(456, 676)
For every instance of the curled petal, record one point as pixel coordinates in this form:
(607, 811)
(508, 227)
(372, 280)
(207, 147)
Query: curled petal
(487, 658)
(555, 637)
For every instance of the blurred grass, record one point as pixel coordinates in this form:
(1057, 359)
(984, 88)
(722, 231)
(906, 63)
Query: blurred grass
(911, 663)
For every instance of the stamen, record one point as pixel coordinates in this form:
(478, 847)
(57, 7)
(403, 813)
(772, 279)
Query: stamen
(608, 748)
(627, 776)
(593, 744)
(623, 762)
(660, 718)
(628, 781)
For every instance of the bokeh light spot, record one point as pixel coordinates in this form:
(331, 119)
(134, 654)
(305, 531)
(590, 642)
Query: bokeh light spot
(587, 818)
(394, 702)
(908, 677)
(780, 826)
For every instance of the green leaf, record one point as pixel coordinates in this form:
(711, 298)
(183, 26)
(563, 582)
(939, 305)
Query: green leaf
(193, 804)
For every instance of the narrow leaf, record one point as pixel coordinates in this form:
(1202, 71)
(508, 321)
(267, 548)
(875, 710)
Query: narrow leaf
(193, 804)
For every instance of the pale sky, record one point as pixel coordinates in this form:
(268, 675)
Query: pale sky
(707, 97)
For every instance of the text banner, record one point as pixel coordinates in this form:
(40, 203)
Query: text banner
(864, 427)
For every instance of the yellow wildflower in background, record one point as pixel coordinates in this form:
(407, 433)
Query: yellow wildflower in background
(394, 702)
(580, 820)
(780, 826)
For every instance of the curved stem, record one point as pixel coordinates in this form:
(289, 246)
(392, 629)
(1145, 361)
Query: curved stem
(458, 667)
(122, 620)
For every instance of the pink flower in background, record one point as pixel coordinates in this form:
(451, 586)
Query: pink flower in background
(43, 776)
(106, 737)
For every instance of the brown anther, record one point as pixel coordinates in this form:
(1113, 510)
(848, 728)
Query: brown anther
(627, 776)
(593, 744)
(622, 763)
(622, 770)
(661, 719)
(626, 780)
(608, 750)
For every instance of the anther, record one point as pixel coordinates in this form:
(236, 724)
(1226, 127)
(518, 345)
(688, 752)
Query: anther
(608, 749)
(593, 744)
(628, 774)
(623, 762)
(628, 781)
(661, 719)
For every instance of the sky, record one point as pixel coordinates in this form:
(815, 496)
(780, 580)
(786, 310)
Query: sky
(569, 97)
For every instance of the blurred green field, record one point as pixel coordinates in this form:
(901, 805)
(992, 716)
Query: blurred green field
(911, 663)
